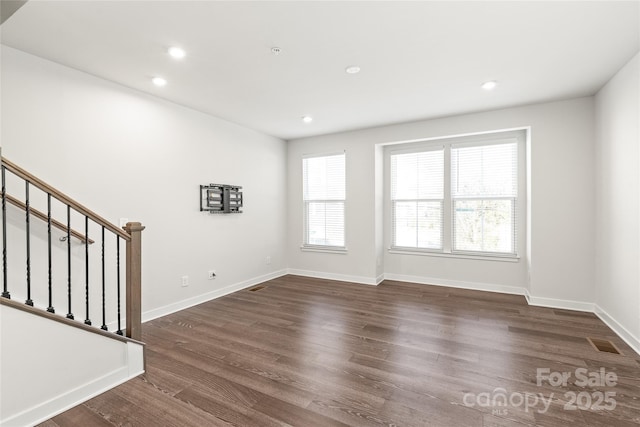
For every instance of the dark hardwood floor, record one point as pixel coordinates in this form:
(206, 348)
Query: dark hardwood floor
(310, 352)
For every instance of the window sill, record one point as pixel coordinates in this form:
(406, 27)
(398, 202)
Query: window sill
(325, 249)
(506, 258)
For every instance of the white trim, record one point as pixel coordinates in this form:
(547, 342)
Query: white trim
(43, 411)
(560, 303)
(323, 154)
(379, 279)
(415, 149)
(324, 249)
(374, 281)
(459, 135)
(621, 331)
(487, 141)
(199, 299)
(506, 258)
(135, 359)
(478, 286)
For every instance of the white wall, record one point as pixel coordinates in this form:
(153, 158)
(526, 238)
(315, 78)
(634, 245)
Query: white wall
(561, 204)
(125, 154)
(358, 264)
(618, 199)
(47, 367)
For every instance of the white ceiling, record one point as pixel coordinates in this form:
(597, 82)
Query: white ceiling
(419, 59)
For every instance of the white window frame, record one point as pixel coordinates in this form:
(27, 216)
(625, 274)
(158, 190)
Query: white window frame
(514, 199)
(520, 207)
(306, 246)
(439, 147)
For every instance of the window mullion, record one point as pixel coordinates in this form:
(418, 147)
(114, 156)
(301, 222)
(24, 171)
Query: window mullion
(514, 241)
(417, 225)
(447, 219)
(482, 217)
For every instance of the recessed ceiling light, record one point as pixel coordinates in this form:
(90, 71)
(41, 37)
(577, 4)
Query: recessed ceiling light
(177, 52)
(159, 81)
(353, 69)
(307, 119)
(490, 85)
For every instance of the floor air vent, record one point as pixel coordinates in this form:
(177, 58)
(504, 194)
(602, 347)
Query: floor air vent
(604, 345)
(257, 288)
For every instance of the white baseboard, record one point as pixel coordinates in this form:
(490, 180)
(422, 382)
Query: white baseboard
(333, 276)
(478, 286)
(59, 404)
(621, 331)
(135, 359)
(199, 299)
(560, 303)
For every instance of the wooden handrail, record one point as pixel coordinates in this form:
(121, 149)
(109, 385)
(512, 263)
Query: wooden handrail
(132, 234)
(41, 215)
(18, 171)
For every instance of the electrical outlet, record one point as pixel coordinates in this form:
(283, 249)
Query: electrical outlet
(267, 260)
(212, 274)
(185, 281)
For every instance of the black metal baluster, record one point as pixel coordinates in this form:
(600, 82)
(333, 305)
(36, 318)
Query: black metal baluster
(104, 322)
(87, 321)
(50, 309)
(69, 313)
(5, 290)
(27, 210)
(119, 331)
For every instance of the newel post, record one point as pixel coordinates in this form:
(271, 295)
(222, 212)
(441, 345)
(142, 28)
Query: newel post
(134, 280)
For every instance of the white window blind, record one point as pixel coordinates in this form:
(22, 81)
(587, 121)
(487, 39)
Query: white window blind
(484, 191)
(417, 199)
(324, 200)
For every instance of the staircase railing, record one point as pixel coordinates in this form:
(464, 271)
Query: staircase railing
(109, 278)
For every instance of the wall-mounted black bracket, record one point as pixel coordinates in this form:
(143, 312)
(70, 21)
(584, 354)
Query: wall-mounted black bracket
(221, 198)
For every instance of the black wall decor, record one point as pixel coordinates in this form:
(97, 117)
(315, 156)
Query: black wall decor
(221, 198)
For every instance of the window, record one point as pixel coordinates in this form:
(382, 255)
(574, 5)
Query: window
(484, 188)
(324, 201)
(457, 195)
(417, 198)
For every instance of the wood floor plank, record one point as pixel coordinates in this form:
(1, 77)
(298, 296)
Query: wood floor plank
(295, 415)
(432, 412)
(169, 410)
(120, 411)
(347, 415)
(313, 352)
(81, 416)
(237, 415)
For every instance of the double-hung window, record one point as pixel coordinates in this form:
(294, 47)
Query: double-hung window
(457, 196)
(484, 191)
(417, 199)
(324, 201)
